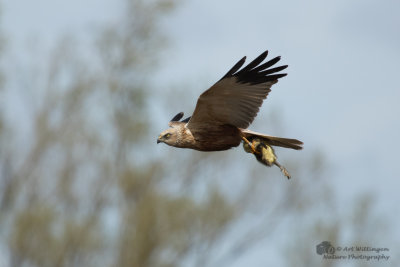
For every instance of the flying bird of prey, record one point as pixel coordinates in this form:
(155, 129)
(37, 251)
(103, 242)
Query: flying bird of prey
(224, 111)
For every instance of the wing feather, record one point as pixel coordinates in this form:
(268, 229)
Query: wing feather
(237, 97)
(177, 117)
(267, 64)
(235, 68)
(255, 62)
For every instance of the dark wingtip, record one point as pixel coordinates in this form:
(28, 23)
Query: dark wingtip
(235, 68)
(187, 119)
(255, 62)
(240, 62)
(257, 72)
(177, 117)
(265, 53)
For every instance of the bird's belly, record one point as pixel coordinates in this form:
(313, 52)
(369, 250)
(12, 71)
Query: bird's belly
(216, 138)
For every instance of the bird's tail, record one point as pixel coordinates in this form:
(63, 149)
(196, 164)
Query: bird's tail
(273, 140)
(263, 152)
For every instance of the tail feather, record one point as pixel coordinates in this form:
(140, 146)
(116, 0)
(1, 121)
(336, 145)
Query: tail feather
(273, 140)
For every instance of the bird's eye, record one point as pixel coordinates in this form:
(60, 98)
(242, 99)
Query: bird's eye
(167, 135)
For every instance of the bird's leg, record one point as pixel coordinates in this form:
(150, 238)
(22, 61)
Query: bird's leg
(283, 169)
(251, 145)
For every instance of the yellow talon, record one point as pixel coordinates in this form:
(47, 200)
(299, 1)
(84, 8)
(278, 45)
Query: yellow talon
(251, 145)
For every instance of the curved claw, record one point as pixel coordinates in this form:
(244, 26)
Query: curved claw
(251, 145)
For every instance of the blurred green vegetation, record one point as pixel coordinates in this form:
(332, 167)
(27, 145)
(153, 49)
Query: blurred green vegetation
(83, 188)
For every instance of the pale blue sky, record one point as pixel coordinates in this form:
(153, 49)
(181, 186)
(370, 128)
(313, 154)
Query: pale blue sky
(342, 92)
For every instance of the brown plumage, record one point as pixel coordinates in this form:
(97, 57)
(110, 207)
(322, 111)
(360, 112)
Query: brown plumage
(224, 111)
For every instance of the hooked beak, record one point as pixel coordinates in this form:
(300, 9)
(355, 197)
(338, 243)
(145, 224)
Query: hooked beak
(158, 141)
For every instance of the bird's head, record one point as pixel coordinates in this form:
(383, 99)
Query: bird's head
(169, 137)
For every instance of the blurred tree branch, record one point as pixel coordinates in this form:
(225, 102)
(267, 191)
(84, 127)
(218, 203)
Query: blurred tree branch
(86, 190)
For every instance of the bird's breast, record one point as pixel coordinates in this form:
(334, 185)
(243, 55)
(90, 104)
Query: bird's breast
(212, 137)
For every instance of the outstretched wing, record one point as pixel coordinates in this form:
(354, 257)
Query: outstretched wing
(237, 97)
(175, 119)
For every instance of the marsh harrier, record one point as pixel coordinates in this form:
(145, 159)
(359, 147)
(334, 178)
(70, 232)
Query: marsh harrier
(224, 112)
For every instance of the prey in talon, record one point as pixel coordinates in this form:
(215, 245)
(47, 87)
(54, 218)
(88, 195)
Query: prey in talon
(224, 112)
(264, 153)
